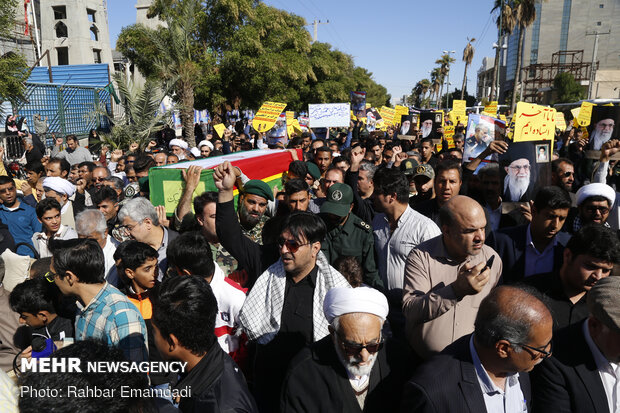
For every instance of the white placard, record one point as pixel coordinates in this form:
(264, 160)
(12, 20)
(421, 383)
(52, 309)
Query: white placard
(329, 114)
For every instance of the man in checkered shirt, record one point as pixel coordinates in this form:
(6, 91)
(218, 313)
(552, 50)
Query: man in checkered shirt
(105, 313)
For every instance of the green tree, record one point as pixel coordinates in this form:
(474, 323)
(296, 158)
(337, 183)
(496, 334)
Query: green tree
(7, 17)
(13, 74)
(468, 56)
(444, 63)
(567, 88)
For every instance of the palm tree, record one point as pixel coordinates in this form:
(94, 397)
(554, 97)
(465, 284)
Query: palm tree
(426, 86)
(140, 116)
(525, 15)
(176, 64)
(506, 20)
(444, 66)
(436, 81)
(468, 56)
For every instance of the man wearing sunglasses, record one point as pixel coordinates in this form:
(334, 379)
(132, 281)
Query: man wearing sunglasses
(563, 176)
(582, 374)
(283, 311)
(594, 202)
(487, 371)
(334, 375)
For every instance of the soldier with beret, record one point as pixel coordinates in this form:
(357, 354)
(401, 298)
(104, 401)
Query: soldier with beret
(253, 202)
(347, 234)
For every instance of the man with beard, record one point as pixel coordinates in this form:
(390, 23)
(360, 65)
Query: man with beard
(424, 181)
(490, 185)
(594, 202)
(347, 234)
(360, 178)
(589, 256)
(353, 369)
(252, 206)
(404, 128)
(447, 182)
(478, 142)
(602, 132)
(537, 247)
(487, 371)
(517, 181)
(20, 217)
(426, 128)
(563, 176)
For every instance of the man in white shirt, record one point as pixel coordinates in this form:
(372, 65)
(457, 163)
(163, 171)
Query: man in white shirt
(48, 213)
(584, 374)
(91, 223)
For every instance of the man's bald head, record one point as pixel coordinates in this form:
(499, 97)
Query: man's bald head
(510, 313)
(463, 224)
(459, 206)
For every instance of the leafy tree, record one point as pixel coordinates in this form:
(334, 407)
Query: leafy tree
(567, 88)
(7, 17)
(13, 74)
(468, 56)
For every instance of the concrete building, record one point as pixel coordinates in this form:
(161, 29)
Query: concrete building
(568, 26)
(485, 78)
(76, 32)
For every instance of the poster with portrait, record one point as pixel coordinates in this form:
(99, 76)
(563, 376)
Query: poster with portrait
(603, 126)
(277, 134)
(429, 123)
(373, 119)
(408, 127)
(358, 104)
(481, 130)
(525, 168)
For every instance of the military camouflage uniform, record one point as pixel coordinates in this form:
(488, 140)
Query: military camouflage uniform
(255, 234)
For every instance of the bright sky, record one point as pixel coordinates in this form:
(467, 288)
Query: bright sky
(397, 40)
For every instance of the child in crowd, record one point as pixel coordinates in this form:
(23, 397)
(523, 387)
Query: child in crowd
(34, 301)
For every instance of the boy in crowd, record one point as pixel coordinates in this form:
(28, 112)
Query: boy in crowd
(34, 301)
(48, 213)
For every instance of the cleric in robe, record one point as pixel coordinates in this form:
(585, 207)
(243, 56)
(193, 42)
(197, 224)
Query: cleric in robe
(603, 125)
(520, 171)
(354, 369)
(429, 122)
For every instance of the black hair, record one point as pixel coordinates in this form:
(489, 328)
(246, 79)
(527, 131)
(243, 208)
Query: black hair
(203, 200)
(351, 270)
(552, 197)
(191, 251)
(6, 180)
(303, 224)
(32, 296)
(82, 256)
(449, 165)
(187, 308)
(89, 350)
(72, 137)
(339, 159)
(596, 240)
(45, 205)
(143, 163)
(427, 140)
(293, 186)
(596, 198)
(90, 165)
(298, 168)
(35, 166)
(40, 267)
(131, 256)
(63, 164)
(323, 149)
(295, 141)
(388, 181)
(555, 164)
(105, 193)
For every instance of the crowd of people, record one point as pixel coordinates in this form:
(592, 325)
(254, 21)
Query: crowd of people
(381, 274)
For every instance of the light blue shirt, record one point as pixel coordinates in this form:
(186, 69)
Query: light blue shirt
(496, 400)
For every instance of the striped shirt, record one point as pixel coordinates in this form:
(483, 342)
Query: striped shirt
(392, 249)
(110, 316)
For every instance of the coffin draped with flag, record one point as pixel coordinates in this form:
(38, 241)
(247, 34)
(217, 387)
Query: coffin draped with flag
(166, 183)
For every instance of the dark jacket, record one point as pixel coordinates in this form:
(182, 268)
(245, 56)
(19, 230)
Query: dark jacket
(217, 385)
(448, 383)
(363, 208)
(318, 382)
(509, 243)
(569, 381)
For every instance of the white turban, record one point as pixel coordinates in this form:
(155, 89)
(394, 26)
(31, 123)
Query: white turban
(205, 142)
(178, 142)
(341, 300)
(596, 189)
(60, 185)
(195, 151)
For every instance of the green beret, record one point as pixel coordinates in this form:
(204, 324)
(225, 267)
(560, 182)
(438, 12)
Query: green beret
(313, 170)
(258, 187)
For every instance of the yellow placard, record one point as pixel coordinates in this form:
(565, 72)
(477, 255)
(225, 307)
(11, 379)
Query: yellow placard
(608, 104)
(448, 131)
(267, 116)
(560, 122)
(220, 129)
(491, 109)
(399, 111)
(353, 117)
(387, 114)
(367, 105)
(459, 106)
(585, 113)
(296, 126)
(533, 123)
(173, 191)
(503, 117)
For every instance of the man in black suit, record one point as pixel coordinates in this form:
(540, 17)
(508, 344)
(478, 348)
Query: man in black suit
(580, 377)
(486, 371)
(537, 247)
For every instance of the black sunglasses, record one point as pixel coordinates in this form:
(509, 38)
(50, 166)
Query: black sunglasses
(351, 349)
(291, 245)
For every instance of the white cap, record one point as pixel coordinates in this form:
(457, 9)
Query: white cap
(60, 185)
(596, 189)
(207, 143)
(342, 300)
(178, 142)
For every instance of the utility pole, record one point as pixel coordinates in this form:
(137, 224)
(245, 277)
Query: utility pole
(594, 53)
(315, 25)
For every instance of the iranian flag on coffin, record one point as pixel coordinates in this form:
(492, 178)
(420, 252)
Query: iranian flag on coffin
(166, 183)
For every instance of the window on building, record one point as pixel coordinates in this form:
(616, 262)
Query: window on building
(91, 15)
(60, 12)
(94, 33)
(63, 55)
(97, 55)
(61, 30)
(598, 23)
(600, 6)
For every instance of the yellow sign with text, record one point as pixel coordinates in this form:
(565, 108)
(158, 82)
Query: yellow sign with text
(399, 111)
(459, 107)
(560, 122)
(267, 116)
(533, 123)
(173, 191)
(387, 114)
(585, 113)
(491, 109)
(220, 129)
